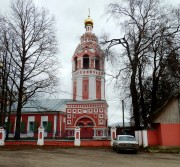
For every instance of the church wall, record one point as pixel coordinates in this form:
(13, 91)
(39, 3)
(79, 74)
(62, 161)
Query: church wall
(37, 119)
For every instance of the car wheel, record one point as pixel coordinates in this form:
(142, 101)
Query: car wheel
(117, 150)
(135, 151)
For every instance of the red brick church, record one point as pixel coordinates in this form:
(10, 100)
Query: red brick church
(88, 107)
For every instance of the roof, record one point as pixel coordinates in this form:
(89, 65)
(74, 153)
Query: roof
(120, 124)
(160, 110)
(71, 102)
(44, 105)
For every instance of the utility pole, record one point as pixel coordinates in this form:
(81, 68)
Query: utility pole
(123, 114)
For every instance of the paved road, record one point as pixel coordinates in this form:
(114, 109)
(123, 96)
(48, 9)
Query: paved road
(84, 157)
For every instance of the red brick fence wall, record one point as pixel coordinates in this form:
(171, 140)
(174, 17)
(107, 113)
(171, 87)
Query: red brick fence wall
(84, 143)
(161, 135)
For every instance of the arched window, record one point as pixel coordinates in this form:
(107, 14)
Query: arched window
(97, 63)
(90, 124)
(86, 62)
(75, 63)
(80, 124)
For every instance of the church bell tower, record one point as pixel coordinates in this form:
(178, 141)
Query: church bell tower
(88, 67)
(88, 107)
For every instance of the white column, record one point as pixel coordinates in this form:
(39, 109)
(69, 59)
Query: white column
(55, 125)
(77, 140)
(2, 136)
(102, 89)
(94, 133)
(81, 59)
(138, 136)
(145, 138)
(113, 134)
(92, 87)
(79, 88)
(103, 133)
(40, 141)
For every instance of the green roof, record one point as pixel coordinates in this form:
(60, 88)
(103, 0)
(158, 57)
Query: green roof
(44, 105)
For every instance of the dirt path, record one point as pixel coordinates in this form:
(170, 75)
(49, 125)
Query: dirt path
(83, 157)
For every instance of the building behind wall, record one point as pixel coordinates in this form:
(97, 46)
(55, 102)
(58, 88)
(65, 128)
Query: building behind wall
(49, 113)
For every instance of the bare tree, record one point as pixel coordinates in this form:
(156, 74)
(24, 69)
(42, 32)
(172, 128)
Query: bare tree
(32, 48)
(143, 23)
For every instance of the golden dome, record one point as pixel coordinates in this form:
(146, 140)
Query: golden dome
(88, 21)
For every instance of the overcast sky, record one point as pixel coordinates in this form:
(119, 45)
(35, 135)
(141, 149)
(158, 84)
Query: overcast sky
(70, 16)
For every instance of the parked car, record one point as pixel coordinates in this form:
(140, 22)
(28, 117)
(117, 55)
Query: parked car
(125, 142)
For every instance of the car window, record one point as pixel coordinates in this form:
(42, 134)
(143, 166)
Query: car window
(126, 138)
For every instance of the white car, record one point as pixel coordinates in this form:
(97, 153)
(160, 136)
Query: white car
(125, 142)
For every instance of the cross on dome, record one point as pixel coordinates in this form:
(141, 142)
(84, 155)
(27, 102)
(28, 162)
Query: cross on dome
(88, 23)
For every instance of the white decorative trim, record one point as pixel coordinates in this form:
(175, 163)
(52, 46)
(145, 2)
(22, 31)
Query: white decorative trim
(79, 88)
(55, 125)
(85, 116)
(102, 89)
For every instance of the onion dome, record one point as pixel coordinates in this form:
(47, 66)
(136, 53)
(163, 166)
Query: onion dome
(88, 21)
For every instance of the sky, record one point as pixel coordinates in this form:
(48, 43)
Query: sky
(70, 16)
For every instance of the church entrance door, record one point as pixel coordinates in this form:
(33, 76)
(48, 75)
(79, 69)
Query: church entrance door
(86, 125)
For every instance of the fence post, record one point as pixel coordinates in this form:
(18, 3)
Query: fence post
(40, 141)
(77, 140)
(138, 136)
(113, 134)
(145, 138)
(2, 136)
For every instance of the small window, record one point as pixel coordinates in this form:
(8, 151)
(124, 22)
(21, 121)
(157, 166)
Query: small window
(69, 111)
(75, 64)
(69, 122)
(97, 63)
(101, 122)
(100, 115)
(45, 124)
(69, 116)
(86, 62)
(31, 126)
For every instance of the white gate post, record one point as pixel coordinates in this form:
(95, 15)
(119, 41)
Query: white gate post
(145, 138)
(2, 136)
(138, 136)
(113, 134)
(40, 141)
(77, 140)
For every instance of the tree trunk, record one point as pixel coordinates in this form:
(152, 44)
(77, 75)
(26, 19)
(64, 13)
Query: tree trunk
(142, 104)
(18, 116)
(134, 95)
(19, 105)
